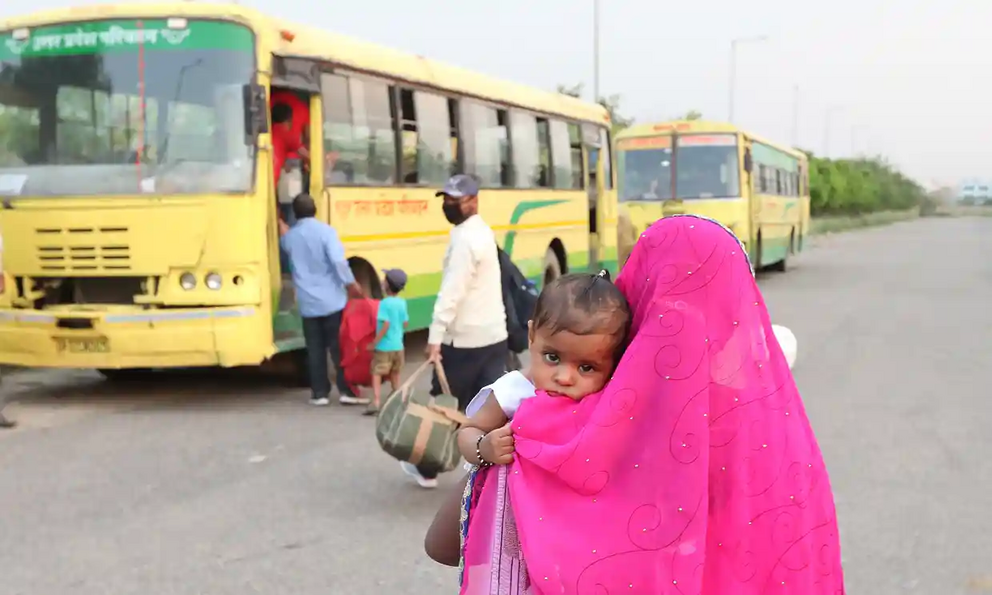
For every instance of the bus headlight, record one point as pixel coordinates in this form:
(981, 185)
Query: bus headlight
(187, 281)
(213, 281)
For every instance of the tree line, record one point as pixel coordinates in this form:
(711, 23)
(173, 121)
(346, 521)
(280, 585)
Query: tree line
(860, 185)
(851, 186)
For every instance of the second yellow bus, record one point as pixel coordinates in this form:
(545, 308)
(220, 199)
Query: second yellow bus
(758, 189)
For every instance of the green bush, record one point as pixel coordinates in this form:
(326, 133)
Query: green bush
(858, 186)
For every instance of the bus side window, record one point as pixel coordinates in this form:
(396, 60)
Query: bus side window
(525, 149)
(566, 156)
(457, 162)
(408, 138)
(578, 163)
(544, 153)
(426, 137)
(485, 144)
(359, 138)
(590, 140)
(505, 149)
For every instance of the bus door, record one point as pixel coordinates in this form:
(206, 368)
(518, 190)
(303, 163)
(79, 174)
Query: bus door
(594, 190)
(295, 82)
(753, 186)
(602, 199)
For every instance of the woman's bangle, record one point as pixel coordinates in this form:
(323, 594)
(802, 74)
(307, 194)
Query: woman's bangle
(478, 452)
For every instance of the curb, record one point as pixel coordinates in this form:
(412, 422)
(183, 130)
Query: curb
(826, 225)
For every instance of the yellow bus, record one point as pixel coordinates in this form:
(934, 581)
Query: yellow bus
(136, 175)
(758, 189)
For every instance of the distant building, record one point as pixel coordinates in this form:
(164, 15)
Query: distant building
(976, 192)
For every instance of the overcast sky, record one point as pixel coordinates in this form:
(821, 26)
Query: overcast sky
(908, 79)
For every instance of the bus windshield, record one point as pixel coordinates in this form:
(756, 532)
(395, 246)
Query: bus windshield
(707, 166)
(125, 107)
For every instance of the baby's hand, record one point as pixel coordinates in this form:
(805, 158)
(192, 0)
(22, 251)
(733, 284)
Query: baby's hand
(497, 446)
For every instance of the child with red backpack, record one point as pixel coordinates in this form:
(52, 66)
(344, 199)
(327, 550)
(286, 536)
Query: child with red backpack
(387, 346)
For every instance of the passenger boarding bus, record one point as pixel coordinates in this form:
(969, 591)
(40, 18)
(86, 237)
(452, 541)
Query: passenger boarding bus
(136, 176)
(758, 189)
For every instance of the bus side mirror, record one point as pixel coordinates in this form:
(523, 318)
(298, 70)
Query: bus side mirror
(256, 111)
(748, 163)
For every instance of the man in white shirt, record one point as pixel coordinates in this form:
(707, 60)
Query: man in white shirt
(468, 331)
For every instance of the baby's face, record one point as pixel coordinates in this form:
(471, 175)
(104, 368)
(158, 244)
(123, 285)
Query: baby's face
(568, 365)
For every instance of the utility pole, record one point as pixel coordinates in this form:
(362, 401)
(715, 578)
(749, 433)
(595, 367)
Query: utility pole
(733, 70)
(595, 51)
(795, 116)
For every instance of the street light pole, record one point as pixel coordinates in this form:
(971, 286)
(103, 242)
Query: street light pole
(595, 51)
(795, 116)
(733, 80)
(733, 70)
(826, 128)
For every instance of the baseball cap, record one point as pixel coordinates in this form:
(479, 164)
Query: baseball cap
(459, 186)
(396, 278)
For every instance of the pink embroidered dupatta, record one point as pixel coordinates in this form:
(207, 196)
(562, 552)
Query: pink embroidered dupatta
(694, 472)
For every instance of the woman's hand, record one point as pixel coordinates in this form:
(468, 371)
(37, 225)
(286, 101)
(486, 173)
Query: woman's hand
(443, 540)
(497, 446)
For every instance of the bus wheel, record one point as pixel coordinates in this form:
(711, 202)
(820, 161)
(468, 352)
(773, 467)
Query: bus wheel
(552, 266)
(125, 374)
(300, 369)
(783, 265)
(366, 276)
(758, 265)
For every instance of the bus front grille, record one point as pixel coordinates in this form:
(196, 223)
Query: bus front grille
(83, 249)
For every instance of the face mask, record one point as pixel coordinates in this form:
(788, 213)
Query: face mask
(453, 213)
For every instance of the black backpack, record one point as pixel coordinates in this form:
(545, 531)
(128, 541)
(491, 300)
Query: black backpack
(519, 301)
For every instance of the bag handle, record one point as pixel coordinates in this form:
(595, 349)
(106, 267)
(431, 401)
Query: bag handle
(452, 415)
(404, 388)
(442, 379)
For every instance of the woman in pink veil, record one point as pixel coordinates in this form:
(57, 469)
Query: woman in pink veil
(695, 471)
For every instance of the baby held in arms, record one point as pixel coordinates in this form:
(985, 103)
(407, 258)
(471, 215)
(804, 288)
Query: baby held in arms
(577, 336)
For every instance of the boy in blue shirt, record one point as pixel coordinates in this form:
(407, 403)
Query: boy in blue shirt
(392, 320)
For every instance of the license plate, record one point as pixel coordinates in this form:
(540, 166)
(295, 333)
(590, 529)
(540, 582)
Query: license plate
(90, 345)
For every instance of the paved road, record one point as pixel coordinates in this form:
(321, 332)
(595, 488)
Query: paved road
(227, 485)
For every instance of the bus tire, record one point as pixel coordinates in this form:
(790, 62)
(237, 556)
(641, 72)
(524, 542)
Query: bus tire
(552, 266)
(125, 374)
(367, 277)
(758, 265)
(300, 369)
(783, 265)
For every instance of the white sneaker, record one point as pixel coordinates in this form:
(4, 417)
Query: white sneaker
(320, 402)
(350, 400)
(424, 482)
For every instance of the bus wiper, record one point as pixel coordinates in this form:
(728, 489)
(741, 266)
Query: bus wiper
(164, 147)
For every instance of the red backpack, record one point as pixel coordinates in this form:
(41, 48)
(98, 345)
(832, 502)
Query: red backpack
(358, 328)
